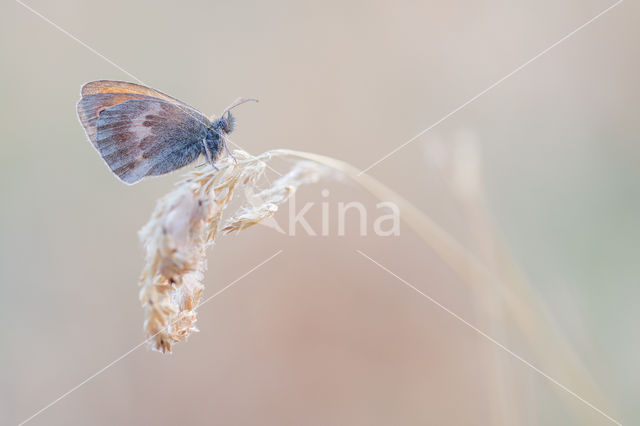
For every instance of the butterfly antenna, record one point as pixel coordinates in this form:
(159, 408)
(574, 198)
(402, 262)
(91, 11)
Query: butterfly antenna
(237, 102)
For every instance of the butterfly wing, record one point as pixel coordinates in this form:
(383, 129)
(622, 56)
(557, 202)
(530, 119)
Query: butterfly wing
(90, 107)
(113, 86)
(144, 136)
(102, 94)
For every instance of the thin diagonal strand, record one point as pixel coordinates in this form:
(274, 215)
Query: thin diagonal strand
(498, 82)
(130, 351)
(94, 51)
(492, 340)
(241, 277)
(68, 34)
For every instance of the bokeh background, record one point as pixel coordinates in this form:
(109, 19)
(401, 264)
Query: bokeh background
(545, 166)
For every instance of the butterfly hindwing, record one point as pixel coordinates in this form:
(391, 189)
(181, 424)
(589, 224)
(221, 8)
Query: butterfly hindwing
(90, 107)
(145, 136)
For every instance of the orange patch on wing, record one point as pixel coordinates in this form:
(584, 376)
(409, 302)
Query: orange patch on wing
(112, 86)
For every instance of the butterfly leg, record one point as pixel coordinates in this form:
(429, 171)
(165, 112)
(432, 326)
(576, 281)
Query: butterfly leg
(205, 163)
(209, 156)
(226, 147)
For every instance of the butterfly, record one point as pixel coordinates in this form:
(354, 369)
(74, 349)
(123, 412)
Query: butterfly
(139, 131)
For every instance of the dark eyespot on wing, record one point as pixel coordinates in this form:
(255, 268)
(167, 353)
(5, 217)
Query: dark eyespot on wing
(90, 107)
(147, 136)
(102, 94)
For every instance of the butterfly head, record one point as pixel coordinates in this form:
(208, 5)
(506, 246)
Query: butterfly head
(226, 123)
(221, 127)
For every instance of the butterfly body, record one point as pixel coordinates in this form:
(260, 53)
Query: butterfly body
(140, 132)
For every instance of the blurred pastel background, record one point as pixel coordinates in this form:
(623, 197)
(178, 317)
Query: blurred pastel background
(544, 165)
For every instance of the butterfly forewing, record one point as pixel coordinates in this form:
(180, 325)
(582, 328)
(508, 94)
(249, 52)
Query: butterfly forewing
(113, 86)
(145, 136)
(101, 94)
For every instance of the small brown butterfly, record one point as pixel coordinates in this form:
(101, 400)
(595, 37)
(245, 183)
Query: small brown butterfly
(140, 132)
